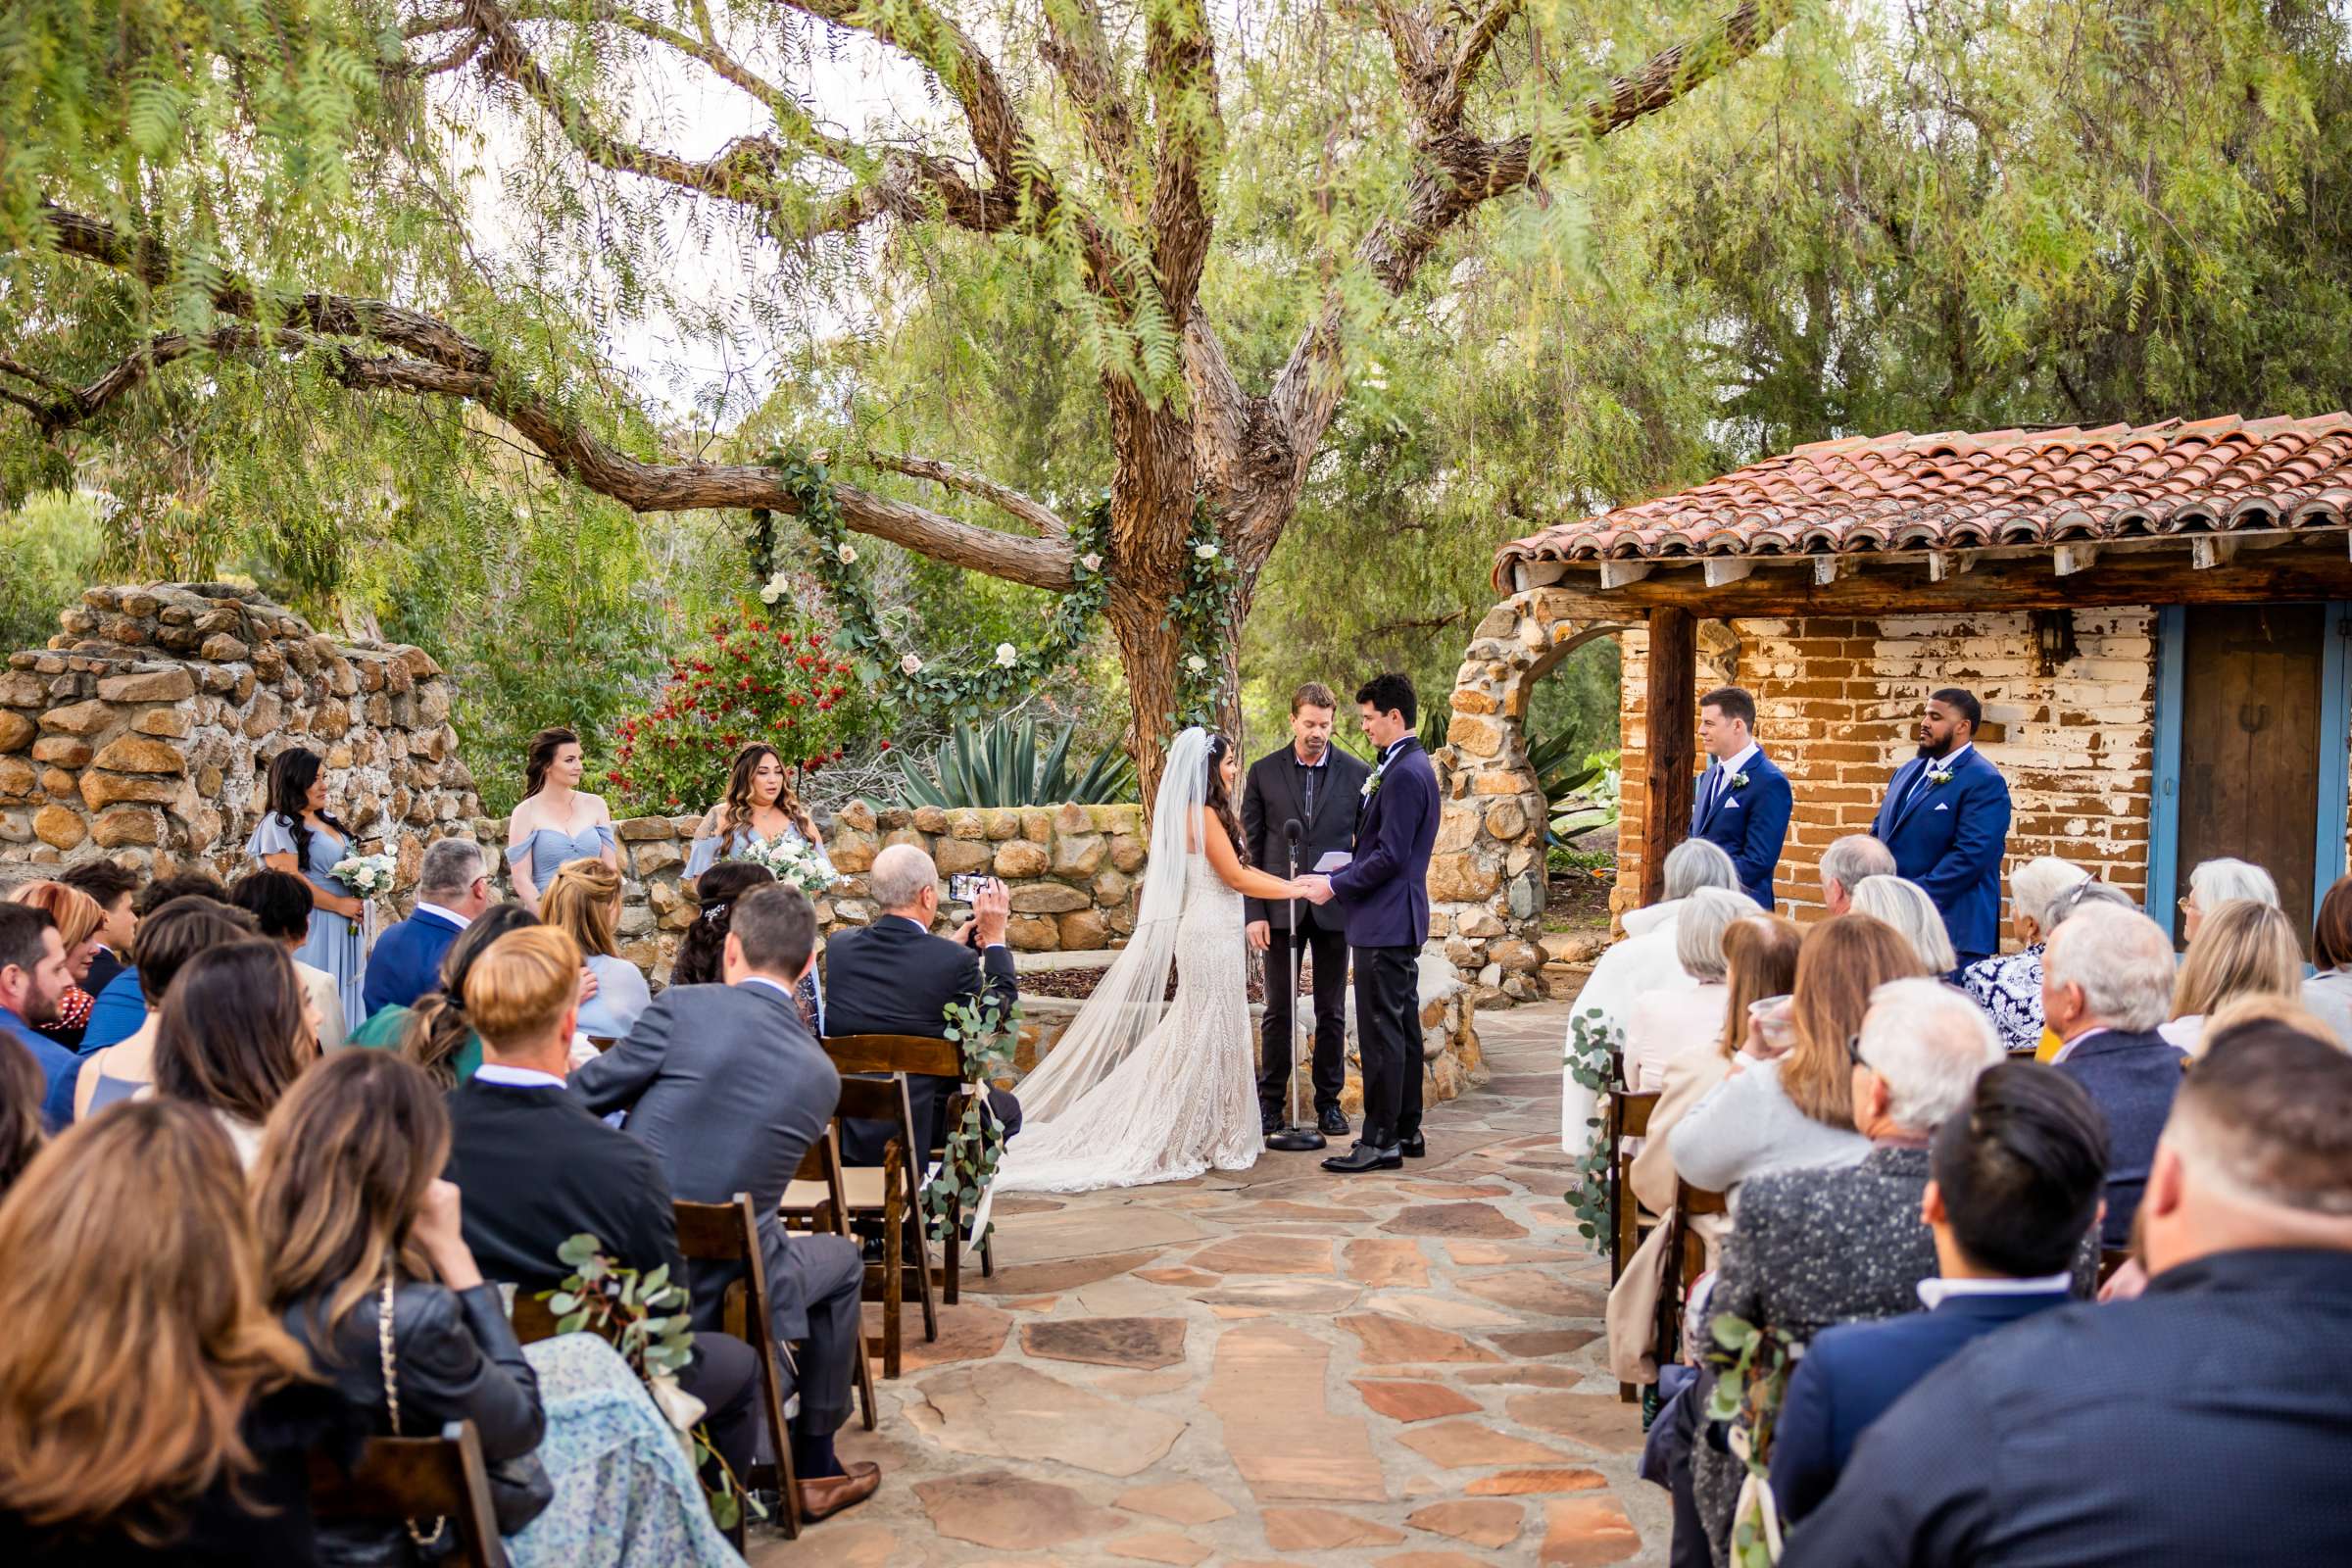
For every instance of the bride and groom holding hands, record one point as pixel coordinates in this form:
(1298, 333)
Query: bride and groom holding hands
(1141, 1089)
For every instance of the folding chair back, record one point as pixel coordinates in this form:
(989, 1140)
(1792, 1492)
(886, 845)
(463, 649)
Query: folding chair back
(729, 1233)
(420, 1479)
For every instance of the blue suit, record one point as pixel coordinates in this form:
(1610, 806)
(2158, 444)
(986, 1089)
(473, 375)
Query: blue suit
(116, 1013)
(60, 1069)
(1749, 822)
(1852, 1373)
(2132, 1079)
(1949, 839)
(407, 960)
(2202, 1424)
(1386, 887)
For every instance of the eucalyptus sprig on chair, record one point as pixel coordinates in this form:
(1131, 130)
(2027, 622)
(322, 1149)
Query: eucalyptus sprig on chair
(986, 1032)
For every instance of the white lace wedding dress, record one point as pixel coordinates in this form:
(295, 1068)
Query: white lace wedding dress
(1138, 1092)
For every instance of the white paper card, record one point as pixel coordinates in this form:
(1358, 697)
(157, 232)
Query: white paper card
(1333, 861)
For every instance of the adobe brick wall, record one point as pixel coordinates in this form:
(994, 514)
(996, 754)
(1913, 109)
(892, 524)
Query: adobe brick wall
(1837, 700)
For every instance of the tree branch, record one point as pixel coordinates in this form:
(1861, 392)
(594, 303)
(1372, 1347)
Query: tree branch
(1003, 497)
(1470, 52)
(1180, 64)
(1079, 54)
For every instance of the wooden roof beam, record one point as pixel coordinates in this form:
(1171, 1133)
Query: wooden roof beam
(2067, 560)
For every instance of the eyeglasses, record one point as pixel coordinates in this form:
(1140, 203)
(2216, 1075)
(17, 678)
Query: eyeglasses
(1853, 1052)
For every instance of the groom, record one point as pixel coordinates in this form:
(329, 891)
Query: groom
(1385, 892)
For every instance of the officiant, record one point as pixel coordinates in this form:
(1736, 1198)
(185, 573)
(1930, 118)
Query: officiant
(1312, 782)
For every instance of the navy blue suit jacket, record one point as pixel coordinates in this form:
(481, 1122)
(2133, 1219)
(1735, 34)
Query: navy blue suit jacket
(1852, 1373)
(1749, 823)
(407, 961)
(1950, 840)
(1385, 889)
(2201, 1424)
(2132, 1078)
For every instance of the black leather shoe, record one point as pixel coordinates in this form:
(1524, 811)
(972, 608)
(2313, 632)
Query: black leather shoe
(1363, 1158)
(1414, 1147)
(1270, 1122)
(1334, 1122)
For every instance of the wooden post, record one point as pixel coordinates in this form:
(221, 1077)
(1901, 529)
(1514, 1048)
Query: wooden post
(1672, 685)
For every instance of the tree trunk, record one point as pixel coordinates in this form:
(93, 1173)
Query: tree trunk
(1149, 648)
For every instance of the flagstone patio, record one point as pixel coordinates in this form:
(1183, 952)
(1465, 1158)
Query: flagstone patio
(1284, 1367)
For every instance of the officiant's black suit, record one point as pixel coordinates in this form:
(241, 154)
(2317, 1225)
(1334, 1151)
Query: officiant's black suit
(1275, 792)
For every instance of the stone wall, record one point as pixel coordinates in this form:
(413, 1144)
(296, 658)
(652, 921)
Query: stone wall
(145, 729)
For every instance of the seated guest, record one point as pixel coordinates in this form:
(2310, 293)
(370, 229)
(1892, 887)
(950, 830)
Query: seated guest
(356, 1223)
(1832, 1245)
(701, 951)
(2214, 883)
(2241, 948)
(170, 939)
(538, 1170)
(2064, 908)
(280, 902)
(2106, 976)
(236, 1031)
(728, 1089)
(1639, 964)
(2329, 993)
(158, 1412)
(894, 977)
(77, 918)
(120, 1007)
(1847, 863)
(1760, 964)
(32, 976)
(1906, 907)
(2285, 1011)
(1663, 1022)
(2008, 985)
(112, 889)
(453, 887)
(2209, 1411)
(2015, 1189)
(22, 1091)
(433, 1031)
(583, 902)
(1776, 1112)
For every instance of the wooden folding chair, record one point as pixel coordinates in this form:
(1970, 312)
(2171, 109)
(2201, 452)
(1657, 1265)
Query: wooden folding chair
(1687, 1257)
(882, 1194)
(818, 1203)
(899, 1055)
(729, 1233)
(420, 1479)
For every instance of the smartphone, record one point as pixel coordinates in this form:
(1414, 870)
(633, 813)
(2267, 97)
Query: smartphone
(965, 887)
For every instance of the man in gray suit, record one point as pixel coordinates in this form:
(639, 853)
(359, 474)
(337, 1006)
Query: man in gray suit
(727, 1088)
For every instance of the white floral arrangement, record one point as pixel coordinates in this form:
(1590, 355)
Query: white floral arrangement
(795, 863)
(370, 876)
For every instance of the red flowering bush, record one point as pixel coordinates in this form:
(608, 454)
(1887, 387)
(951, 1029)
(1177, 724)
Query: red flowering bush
(758, 678)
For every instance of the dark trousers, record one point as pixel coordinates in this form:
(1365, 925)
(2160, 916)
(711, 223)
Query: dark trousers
(1388, 1036)
(831, 1274)
(724, 1375)
(1690, 1547)
(1329, 949)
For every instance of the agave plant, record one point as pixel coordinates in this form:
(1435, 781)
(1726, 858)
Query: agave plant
(999, 766)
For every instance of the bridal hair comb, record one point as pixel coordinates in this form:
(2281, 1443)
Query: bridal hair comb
(717, 911)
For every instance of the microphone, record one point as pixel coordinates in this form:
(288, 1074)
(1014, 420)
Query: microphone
(1291, 832)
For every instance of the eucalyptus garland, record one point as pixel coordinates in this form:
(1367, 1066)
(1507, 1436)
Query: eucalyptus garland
(986, 1031)
(1593, 1041)
(1199, 615)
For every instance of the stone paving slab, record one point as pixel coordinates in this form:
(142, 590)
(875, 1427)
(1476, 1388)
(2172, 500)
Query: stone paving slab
(1275, 1367)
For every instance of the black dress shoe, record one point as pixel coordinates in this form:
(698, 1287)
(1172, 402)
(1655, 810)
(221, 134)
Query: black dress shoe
(1413, 1147)
(1363, 1158)
(1334, 1122)
(1270, 1122)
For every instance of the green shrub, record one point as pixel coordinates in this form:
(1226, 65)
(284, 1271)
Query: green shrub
(1000, 766)
(52, 544)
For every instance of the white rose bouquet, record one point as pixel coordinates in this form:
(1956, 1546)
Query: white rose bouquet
(370, 876)
(795, 861)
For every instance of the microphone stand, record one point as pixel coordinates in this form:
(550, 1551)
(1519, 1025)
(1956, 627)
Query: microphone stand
(1294, 1137)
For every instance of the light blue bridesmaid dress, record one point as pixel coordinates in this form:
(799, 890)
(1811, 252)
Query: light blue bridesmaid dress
(546, 849)
(334, 943)
(710, 850)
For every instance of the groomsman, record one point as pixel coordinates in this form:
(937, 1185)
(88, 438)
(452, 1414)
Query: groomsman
(1741, 805)
(1314, 783)
(1947, 820)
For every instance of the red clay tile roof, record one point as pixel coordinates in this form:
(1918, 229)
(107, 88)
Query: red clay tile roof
(2007, 487)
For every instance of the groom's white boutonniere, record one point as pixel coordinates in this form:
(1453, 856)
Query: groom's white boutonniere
(1372, 781)
(1738, 781)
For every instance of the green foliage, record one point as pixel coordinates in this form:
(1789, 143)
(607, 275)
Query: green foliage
(1591, 1059)
(1000, 766)
(51, 545)
(987, 1031)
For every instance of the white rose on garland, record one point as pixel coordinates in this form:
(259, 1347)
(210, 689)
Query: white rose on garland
(848, 554)
(910, 666)
(1007, 656)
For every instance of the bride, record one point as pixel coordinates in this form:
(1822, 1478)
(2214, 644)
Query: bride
(1139, 1091)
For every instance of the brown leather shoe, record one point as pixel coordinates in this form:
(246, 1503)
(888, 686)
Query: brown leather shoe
(822, 1499)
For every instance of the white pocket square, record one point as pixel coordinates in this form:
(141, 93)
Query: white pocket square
(1942, 806)
(1730, 805)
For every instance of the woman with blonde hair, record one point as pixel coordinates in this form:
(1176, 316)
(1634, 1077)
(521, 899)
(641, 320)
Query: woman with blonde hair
(2008, 985)
(584, 903)
(78, 918)
(1783, 1111)
(2241, 948)
(156, 1407)
(1906, 907)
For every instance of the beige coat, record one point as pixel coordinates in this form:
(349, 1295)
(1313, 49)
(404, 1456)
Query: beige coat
(1632, 1310)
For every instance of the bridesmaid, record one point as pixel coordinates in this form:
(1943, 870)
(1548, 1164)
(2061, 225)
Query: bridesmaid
(297, 834)
(761, 807)
(555, 822)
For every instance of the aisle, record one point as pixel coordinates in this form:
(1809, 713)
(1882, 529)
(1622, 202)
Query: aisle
(1290, 1367)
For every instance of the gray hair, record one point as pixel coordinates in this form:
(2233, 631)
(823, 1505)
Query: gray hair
(1695, 863)
(450, 865)
(2035, 885)
(899, 876)
(1699, 927)
(2214, 883)
(1906, 907)
(2121, 959)
(1929, 1043)
(1855, 857)
(2088, 894)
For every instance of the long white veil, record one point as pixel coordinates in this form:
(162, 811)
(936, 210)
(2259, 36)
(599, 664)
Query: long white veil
(1127, 1004)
